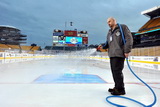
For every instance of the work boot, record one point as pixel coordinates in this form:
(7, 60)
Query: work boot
(111, 89)
(118, 92)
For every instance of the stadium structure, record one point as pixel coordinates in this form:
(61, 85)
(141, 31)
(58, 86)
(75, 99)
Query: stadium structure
(68, 40)
(149, 34)
(11, 35)
(147, 39)
(11, 39)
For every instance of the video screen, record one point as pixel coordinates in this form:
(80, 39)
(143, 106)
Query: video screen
(73, 40)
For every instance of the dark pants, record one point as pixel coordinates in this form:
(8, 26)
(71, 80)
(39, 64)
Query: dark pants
(117, 65)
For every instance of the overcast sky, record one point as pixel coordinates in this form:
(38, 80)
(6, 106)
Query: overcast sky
(38, 18)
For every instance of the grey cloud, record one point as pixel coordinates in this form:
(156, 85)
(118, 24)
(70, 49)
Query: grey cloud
(37, 18)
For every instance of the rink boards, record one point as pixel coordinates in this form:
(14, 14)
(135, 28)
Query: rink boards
(150, 62)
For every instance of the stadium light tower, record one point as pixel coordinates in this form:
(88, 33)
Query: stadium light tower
(71, 23)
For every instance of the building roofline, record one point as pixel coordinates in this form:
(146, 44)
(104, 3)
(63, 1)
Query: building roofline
(149, 12)
(8, 26)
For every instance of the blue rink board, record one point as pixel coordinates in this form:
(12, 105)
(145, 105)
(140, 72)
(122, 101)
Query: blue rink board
(69, 78)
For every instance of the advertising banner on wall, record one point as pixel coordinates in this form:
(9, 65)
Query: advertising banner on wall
(82, 35)
(71, 45)
(85, 40)
(145, 58)
(55, 39)
(145, 65)
(70, 33)
(58, 34)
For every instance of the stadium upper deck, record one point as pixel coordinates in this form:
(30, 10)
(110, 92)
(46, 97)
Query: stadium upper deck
(150, 32)
(11, 35)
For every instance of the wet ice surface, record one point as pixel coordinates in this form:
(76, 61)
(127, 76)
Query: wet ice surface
(18, 86)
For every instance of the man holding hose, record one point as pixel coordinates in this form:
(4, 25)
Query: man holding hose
(117, 52)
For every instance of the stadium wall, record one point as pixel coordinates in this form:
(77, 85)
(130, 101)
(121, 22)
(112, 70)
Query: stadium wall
(145, 51)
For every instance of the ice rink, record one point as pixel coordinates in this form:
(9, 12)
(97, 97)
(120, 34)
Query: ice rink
(72, 82)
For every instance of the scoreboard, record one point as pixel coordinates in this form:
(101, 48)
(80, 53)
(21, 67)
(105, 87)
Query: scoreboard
(70, 37)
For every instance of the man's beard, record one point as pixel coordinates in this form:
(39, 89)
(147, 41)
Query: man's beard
(110, 26)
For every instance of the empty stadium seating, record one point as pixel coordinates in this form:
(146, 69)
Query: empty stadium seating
(18, 47)
(150, 25)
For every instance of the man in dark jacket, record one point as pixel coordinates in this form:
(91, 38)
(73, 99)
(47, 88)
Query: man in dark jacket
(117, 52)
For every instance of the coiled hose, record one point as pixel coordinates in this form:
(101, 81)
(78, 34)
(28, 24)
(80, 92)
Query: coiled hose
(155, 98)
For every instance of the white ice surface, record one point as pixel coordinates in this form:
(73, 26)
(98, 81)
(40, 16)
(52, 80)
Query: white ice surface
(17, 87)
